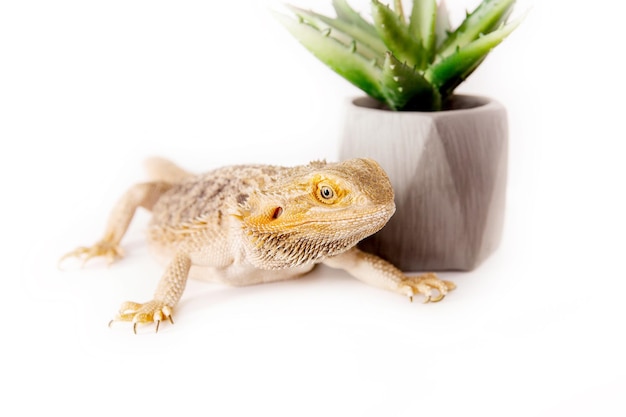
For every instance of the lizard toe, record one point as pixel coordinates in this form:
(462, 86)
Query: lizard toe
(110, 251)
(154, 311)
(429, 285)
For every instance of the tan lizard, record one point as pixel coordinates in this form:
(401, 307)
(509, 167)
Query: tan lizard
(252, 224)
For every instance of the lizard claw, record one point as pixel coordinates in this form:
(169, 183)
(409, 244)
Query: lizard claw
(103, 248)
(425, 284)
(153, 311)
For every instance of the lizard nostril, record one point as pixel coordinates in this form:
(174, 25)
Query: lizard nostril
(277, 212)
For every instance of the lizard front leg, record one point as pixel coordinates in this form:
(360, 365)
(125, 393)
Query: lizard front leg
(166, 296)
(376, 271)
(141, 195)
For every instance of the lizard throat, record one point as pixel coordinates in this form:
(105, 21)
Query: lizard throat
(288, 250)
(310, 242)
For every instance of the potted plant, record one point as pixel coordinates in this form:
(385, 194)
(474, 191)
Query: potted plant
(445, 154)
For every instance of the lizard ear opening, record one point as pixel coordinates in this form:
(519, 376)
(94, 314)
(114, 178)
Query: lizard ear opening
(277, 212)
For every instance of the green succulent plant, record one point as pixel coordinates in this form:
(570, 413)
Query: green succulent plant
(408, 63)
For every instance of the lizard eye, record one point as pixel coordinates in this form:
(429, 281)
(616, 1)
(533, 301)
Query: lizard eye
(327, 192)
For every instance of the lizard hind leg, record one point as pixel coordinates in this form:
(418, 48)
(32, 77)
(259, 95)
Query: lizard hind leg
(140, 195)
(160, 169)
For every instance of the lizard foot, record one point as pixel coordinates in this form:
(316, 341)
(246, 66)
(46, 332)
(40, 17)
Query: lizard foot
(425, 284)
(153, 311)
(103, 248)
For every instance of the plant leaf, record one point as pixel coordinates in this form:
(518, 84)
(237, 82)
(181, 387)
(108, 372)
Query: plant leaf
(448, 73)
(339, 57)
(422, 25)
(348, 15)
(484, 19)
(371, 47)
(406, 89)
(397, 5)
(442, 24)
(395, 33)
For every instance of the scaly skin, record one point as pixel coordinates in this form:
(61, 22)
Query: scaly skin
(251, 224)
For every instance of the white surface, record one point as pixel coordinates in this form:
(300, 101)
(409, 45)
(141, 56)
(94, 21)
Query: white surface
(89, 89)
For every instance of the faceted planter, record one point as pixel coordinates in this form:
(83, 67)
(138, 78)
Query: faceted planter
(448, 170)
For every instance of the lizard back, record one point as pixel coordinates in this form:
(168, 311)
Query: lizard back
(211, 195)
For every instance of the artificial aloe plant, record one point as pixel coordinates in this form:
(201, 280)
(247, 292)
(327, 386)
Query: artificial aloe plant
(412, 63)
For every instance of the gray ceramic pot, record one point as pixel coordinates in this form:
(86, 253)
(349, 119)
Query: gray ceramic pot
(448, 170)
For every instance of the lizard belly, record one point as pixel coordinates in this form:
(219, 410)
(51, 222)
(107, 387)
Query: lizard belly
(230, 270)
(242, 275)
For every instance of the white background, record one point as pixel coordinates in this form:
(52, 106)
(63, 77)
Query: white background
(88, 89)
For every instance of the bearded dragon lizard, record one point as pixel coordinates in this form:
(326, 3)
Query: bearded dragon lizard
(252, 224)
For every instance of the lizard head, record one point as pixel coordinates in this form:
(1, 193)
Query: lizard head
(315, 211)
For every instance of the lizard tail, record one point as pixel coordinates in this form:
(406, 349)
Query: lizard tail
(161, 169)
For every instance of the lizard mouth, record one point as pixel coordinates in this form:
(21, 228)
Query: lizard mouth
(373, 218)
(324, 228)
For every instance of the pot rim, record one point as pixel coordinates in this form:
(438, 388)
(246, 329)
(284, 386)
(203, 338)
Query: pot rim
(462, 103)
